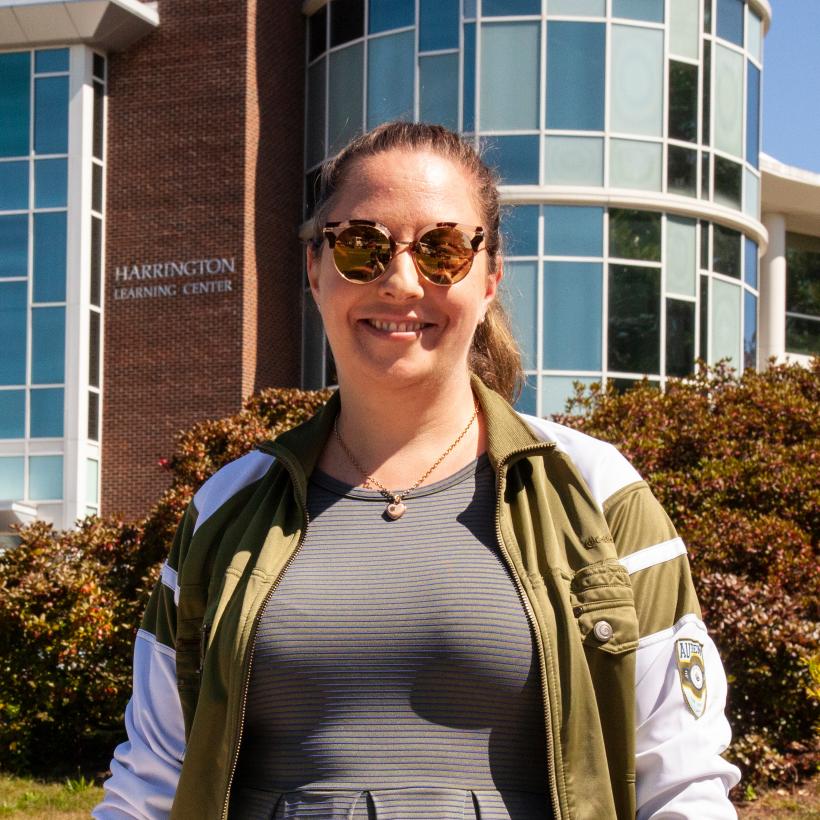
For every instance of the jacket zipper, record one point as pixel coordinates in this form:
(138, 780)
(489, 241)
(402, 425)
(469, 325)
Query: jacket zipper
(247, 681)
(553, 780)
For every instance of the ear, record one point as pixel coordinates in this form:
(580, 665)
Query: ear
(493, 280)
(313, 262)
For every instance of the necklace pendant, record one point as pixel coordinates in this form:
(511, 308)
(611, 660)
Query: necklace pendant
(395, 509)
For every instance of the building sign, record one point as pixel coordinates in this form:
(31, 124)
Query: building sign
(191, 277)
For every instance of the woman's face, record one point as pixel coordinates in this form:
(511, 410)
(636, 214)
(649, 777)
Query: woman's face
(405, 191)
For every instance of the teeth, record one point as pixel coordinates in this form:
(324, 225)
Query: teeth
(393, 327)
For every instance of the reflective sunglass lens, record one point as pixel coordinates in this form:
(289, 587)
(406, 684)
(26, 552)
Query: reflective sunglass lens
(444, 255)
(361, 253)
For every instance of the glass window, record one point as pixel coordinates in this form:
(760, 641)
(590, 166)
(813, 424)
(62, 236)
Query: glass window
(650, 10)
(388, 14)
(469, 8)
(438, 24)
(498, 8)
(635, 234)
(514, 158)
(468, 113)
(97, 187)
(682, 171)
(12, 413)
(680, 338)
(704, 245)
(573, 309)
(391, 74)
(575, 75)
(99, 124)
(13, 302)
(571, 230)
(95, 268)
(574, 161)
(520, 285)
(526, 402)
(52, 59)
(726, 251)
(51, 115)
(634, 164)
(47, 345)
(705, 188)
(45, 477)
(94, 349)
(753, 115)
(730, 20)
(634, 319)
(11, 477)
(315, 151)
(725, 322)
(346, 21)
(98, 66)
(47, 412)
(13, 186)
(344, 118)
(556, 390)
(50, 256)
(510, 55)
(636, 81)
(519, 225)
(317, 33)
(92, 481)
(728, 108)
(684, 28)
(94, 414)
(15, 75)
(754, 31)
(802, 335)
(14, 242)
(706, 133)
(803, 274)
(750, 266)
(438, 89)
(577, 8)
(311, 192)
(749, 330)
(50, 183)
(681, 256)
(728, 180)
(751, 194)
(683, 101)
(703, 352)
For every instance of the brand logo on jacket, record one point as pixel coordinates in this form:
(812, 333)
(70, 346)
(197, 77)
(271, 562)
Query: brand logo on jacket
(692, 671)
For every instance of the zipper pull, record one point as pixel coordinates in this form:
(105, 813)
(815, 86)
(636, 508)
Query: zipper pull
(203, 644)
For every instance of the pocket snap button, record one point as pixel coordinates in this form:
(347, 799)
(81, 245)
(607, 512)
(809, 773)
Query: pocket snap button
(602, 631)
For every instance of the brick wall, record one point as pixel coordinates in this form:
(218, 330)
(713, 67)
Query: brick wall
(204, 161)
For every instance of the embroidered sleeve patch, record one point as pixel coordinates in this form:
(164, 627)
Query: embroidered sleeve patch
(689, 657)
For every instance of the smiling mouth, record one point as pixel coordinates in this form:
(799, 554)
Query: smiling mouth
(397, 327)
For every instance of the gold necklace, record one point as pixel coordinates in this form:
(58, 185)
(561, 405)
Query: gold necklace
(395, 501)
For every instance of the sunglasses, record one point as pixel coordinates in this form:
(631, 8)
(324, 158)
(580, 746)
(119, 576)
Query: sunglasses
(362, 249)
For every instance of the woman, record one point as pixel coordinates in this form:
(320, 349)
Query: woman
(421, 603)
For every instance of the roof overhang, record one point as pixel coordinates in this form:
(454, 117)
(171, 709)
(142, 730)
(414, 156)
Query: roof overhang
(792, 192)
(110, 25)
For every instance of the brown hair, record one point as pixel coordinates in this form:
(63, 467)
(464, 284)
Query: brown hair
(494, 354)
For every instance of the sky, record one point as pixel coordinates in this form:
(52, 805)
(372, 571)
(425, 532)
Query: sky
(791, 84)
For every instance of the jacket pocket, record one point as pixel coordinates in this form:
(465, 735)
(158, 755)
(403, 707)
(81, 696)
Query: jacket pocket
(604, 607)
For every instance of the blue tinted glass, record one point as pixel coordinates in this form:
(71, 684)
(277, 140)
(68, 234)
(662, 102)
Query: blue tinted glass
(749, 330)
(515, 158)
(51, 115)
(730, 20)
(50, 183)
(575, 75)
(526, 402)
(13, 246)
(469, 8)
(519, 225)
(651, 10)
(390, 75)
(572, 315)
(12, 413)
(45, 477)
(387, 14)
(11, 477)
(520, 286)
(15, 76)
(438, 24)
(47, 412)
(750, 271)
(13, 187)
(753, 116)
(469, 77)
(53, 59)
(438, 89)
(497, 8)
(570, 230)
(47, 345)
(49, 257)
(13, 300)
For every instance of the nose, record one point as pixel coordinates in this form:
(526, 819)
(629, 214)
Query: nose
(401, 281)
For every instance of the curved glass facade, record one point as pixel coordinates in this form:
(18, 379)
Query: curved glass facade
(626, 135)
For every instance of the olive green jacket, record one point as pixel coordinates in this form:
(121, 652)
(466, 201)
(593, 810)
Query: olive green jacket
(602, 576)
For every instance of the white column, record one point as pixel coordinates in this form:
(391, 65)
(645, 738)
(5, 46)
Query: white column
(773, 291)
